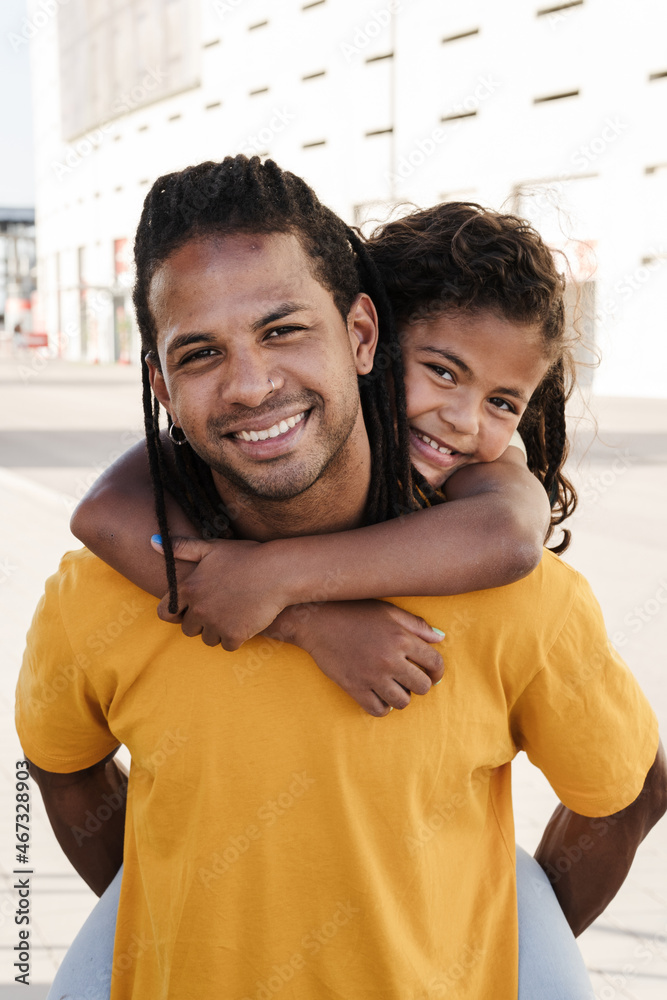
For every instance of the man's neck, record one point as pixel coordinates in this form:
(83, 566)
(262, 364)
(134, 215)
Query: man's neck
(335, 502)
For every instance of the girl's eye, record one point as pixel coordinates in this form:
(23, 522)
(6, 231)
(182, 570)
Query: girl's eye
(441, 372)
(502, 404)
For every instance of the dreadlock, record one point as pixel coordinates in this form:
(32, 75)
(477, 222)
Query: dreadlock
(458, 255)
(241, 195)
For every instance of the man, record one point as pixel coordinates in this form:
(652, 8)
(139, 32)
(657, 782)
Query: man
(276, 838)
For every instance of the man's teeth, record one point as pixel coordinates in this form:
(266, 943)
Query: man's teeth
(436, 447)
(271, 432)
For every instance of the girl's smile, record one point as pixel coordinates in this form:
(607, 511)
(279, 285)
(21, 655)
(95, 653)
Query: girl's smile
(469, 377)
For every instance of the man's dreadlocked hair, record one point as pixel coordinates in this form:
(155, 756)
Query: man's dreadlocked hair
(245, 195)
(458, 255)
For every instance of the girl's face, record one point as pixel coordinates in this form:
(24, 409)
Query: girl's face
(468, 378)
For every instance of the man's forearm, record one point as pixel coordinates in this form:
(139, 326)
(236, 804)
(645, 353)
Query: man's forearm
(86, 810)
(588, 859)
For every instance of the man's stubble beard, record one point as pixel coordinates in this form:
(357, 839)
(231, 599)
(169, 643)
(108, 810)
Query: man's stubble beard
(291, 482)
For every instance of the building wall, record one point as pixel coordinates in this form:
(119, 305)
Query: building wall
(374, 103)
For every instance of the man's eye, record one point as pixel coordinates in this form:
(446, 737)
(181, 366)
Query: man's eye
(443, 373)
(280, 330)
(204, 352)
(502, 404)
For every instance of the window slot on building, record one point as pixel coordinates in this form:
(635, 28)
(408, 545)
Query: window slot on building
(213, 104)
(118, 189)
(143, 128)
(313, 3)
(655, 168)
(379, 131)
(209, 45)
(260, 90)
(658, 76)
(144, 181)
(556, 97)
(174, 118)
(260, 24)
(558, 7)
(460, 35)
(374, 59)
(311, 145)
(314, 76)
(458, 114)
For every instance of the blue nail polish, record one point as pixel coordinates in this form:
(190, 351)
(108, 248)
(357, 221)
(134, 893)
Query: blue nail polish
(437, 682)
(438, 631)
(157, 539)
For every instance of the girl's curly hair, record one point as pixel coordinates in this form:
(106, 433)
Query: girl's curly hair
(458, 255)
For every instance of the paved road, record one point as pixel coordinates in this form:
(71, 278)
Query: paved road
(61, 424)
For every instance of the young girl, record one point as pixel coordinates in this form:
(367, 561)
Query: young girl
(479, 304)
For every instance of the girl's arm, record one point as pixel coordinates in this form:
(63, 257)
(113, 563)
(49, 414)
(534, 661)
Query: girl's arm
(490, 533)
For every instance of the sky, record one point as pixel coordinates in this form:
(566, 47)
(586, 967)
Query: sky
(16, 153)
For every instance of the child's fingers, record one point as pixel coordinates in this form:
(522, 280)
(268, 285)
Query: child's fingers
(420, 628)
(373, 704)
(391, 692)
(426, 656)
(186, 549)
(413, 678)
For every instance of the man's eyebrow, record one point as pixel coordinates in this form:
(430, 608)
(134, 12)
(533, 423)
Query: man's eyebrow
(285, 309)
(185, 339)
(449, 356)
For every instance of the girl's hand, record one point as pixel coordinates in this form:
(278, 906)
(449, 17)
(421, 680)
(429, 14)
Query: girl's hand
(234, 592)
(376, 652)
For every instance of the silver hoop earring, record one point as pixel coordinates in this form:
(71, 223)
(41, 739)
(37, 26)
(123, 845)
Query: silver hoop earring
(172, 429)
(272, 385)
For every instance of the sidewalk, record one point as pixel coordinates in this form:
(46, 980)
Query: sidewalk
(620, 544)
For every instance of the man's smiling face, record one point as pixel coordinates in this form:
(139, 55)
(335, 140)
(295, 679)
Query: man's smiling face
(234, 312)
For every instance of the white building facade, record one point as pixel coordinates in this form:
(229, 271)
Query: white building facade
(557, 111)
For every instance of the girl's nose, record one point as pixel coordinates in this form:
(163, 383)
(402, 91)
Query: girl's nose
(461, 417)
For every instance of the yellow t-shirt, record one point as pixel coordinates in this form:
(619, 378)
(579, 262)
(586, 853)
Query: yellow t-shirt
(280, 843)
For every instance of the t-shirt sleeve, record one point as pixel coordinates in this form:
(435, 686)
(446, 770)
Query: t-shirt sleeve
(584, 720)
(60, 719)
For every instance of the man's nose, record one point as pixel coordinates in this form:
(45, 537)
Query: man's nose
(247, 379)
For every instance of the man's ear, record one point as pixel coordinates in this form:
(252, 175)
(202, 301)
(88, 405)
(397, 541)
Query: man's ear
(158, 384)
(362, 326)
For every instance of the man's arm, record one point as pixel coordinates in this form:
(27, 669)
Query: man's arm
(587, 859)
(94, 847)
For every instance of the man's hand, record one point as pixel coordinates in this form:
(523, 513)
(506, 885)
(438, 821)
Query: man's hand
(587, 859)
(374, 651)
(235, 592)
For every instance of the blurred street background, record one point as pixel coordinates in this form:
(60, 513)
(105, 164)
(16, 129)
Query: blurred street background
(554, 110)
